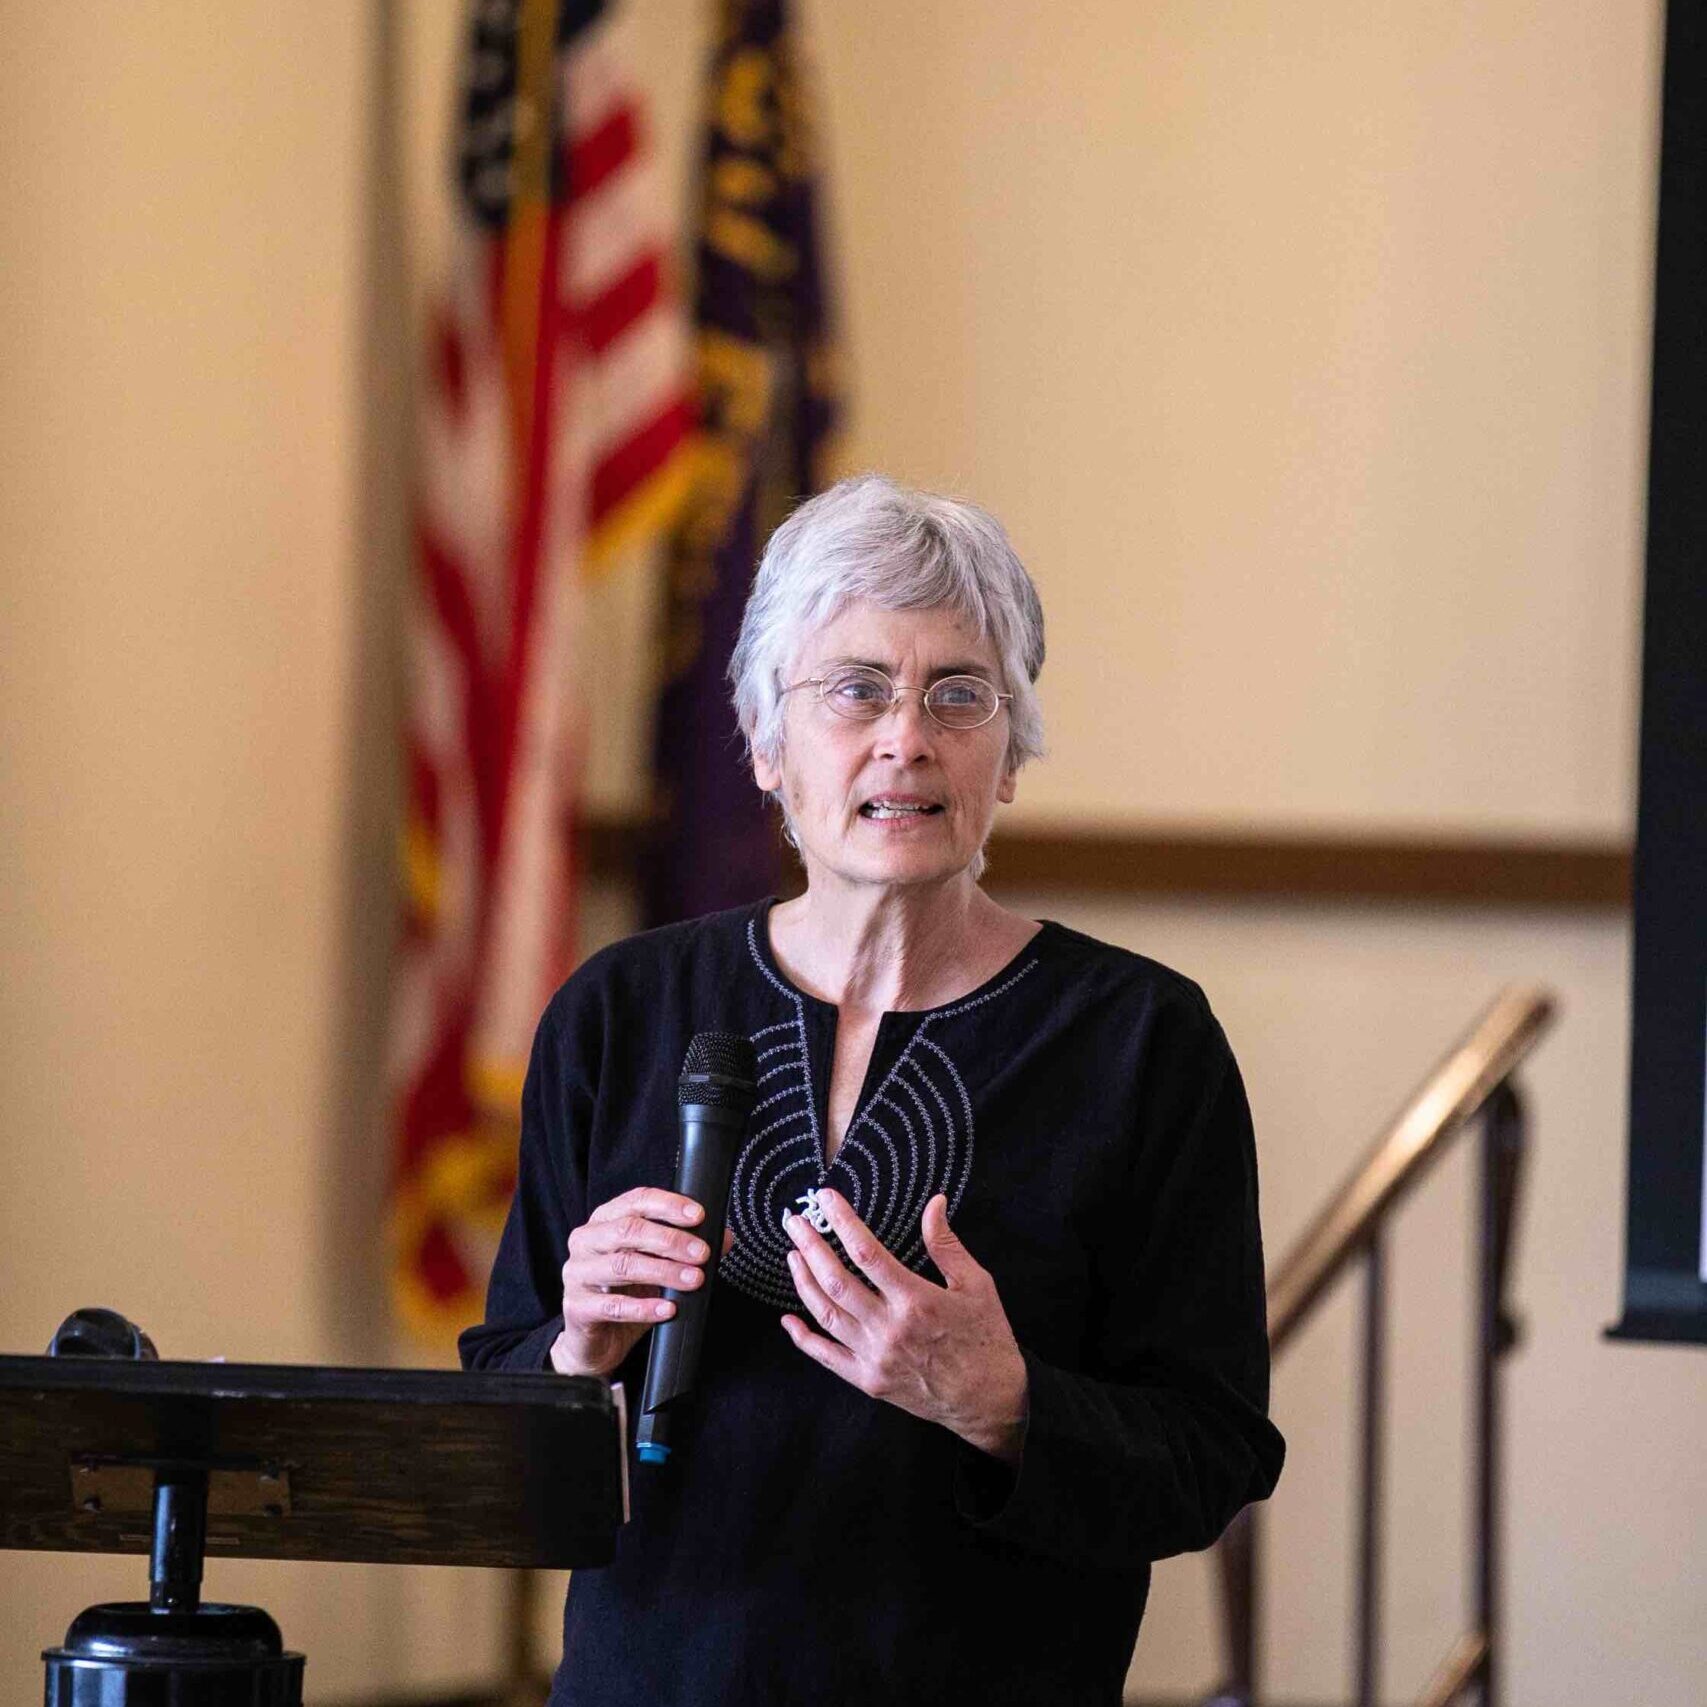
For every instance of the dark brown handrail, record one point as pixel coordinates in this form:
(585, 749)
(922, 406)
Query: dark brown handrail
(1451, 1095)
(1474, 1079)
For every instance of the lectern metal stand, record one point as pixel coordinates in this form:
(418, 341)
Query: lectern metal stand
(182, 1460)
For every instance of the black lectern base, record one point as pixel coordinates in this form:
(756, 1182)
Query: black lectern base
(125, 1654)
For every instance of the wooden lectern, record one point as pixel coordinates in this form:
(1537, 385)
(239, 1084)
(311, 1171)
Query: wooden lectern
(185, 1460)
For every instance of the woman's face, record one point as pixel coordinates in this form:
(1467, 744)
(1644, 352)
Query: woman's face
(832, 771)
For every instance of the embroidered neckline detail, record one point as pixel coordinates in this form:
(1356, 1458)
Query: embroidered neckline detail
(912, 1138)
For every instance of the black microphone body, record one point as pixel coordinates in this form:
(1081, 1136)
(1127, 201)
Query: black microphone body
(715, 1099)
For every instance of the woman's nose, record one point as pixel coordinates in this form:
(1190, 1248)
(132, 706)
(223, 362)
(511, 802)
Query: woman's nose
(906, 729)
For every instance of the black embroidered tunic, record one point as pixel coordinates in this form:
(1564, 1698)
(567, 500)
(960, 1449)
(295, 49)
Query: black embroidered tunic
(806, 1543)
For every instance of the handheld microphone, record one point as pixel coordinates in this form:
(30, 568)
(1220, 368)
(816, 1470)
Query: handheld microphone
(715, 1097)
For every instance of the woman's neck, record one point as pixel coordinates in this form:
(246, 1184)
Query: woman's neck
(872, 949)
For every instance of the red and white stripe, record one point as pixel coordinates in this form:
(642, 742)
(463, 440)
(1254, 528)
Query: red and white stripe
(497, 705)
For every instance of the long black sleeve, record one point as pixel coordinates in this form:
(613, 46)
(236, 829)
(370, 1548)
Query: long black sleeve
(1156, 1451)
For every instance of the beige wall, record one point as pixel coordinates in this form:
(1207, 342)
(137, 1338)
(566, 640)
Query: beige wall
(1303, 347)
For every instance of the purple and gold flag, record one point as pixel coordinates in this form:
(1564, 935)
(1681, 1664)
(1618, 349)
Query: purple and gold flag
(767, 403)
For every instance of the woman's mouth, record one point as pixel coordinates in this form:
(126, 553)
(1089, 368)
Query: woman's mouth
(882, 809)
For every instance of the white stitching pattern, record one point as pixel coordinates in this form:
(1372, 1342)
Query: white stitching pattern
(988, 996)
(937, 1139)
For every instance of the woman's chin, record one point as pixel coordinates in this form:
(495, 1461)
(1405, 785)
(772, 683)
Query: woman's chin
(910, 864)
(892, 850)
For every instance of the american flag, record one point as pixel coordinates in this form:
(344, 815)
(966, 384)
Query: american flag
(553, 437)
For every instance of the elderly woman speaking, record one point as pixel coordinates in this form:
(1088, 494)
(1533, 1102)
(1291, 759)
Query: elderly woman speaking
(989, 1337)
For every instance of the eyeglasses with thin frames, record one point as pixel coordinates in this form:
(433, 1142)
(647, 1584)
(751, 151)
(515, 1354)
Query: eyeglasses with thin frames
(862, 694)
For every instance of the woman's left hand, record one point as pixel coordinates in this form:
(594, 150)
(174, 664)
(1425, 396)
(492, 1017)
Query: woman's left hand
(944, 1353)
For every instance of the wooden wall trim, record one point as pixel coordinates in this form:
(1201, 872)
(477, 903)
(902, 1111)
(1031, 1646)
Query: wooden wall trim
(1504, 873)
(1557, 875)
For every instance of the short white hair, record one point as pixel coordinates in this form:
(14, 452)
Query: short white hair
(868, 538)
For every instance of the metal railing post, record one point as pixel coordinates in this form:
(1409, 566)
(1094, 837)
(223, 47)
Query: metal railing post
(1370, 1471)
(1501, 1156)
(521, 1669)
(1237, 1558)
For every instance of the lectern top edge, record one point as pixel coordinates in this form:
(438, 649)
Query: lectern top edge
(286, 1381)
(387, 1466)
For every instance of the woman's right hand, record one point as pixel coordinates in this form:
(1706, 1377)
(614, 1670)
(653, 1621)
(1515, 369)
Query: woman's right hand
(627, 1250)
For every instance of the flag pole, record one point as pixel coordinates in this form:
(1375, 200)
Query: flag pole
(521, 1672)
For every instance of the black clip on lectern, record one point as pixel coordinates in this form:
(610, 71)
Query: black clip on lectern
(182, 1460)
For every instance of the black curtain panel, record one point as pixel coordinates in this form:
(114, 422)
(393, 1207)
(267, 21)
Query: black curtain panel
(1665, 1295)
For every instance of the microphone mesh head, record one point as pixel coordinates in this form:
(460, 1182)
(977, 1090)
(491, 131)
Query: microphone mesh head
(720, 1071)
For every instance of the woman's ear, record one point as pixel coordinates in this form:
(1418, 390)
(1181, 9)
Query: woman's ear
(1007, 787)
(767, 774)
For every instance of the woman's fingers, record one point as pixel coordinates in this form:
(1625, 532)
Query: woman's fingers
(842, 1303)
(627, 1267)
(634, 1233)
(865, 1250)
(621, 1248)
(823, 1312)
(589, 1308)
(616, 1262)
(653, 1203)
